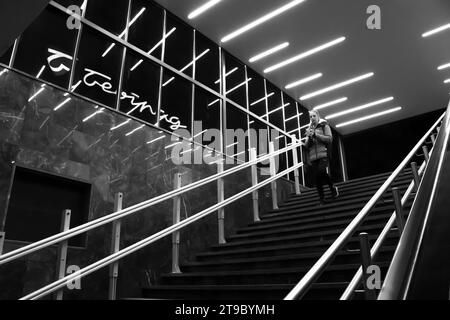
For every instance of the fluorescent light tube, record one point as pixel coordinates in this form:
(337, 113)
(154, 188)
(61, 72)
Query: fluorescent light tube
(434, 31)
(368, 117)
(268, 52)
(444, 66)
(304, 80)
(261, 20)
(203, 8)
(364, 106)
(331, 103)
(304, 54)
(337, 86)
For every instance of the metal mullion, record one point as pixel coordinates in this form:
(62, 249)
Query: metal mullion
(223, 90)
(194, 63)
(300, 138)
(161, 68)
(76, 50)
(124, 55)
(14, 51)
(284, 128)
(163, 64)
(247, 101)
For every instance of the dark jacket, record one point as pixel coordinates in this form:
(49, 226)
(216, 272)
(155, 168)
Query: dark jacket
(317, 145)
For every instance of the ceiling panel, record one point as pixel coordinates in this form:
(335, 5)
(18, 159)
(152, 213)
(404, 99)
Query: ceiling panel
(404, 63)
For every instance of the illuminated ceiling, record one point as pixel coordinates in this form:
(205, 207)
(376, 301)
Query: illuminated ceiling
(329, 43)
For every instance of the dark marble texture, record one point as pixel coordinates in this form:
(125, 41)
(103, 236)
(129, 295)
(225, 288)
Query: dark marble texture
(60, 142)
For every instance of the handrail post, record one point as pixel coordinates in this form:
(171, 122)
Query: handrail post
(255, 194)
(62, 252)
(272, 174)
(220, 198)
(425, 153)
(433, 138)
(398, 210)
(366, 260)
(415, 175)
(176, 219)
(2, 241)
(115, 247)
(296, 173)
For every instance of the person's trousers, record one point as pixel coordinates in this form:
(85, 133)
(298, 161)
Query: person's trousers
(321, 176)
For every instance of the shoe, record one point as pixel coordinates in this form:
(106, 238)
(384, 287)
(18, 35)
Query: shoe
(335, 193)
(323, 202)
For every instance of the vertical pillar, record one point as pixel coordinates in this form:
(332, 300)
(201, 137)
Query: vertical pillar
(176, 219)
(343, 160)
(426, 155)
(115, 247)
(220, 198)
(62, 253)
(366, 262)
(398, 210)
(273, 173)
(295, 161)
(415, 173)
(255, 196)
(2, 241)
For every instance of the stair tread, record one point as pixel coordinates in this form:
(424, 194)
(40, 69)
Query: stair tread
(284, 257)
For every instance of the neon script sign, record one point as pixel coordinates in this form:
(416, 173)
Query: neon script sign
(94, 78)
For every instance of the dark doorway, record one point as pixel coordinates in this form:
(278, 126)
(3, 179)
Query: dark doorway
(37, 201)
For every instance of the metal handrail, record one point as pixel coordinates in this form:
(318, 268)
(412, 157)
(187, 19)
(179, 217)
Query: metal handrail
(308, 279)
(41, 244)
(350, 290)
(52, 287)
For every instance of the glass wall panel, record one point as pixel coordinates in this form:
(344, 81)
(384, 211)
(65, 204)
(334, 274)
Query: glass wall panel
(235, 80)
(236, 140)
(207, 68)
(6, 56)
(275, 106)
(147, 32)
(96, 74)
(176, 102)
(206, 109)
(140, 89)
(110, 15)
(179, 46)
(256, 93)
(46, 48)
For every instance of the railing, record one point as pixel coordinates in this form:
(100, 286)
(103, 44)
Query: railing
(177, 226)
(419, 268)
(314, 273)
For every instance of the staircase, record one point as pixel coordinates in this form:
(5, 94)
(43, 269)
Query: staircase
(266, 259)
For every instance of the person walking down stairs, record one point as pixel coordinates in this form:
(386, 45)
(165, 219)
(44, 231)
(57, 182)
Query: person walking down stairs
(318, 140)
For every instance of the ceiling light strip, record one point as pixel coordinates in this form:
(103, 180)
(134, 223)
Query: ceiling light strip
(305, 54)
(261, 20)
(203, 8)
(444, 66)
(437, 30)
(379, 114)
(355, 109)
(337, 86)
(268, 52)
(304, 80)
